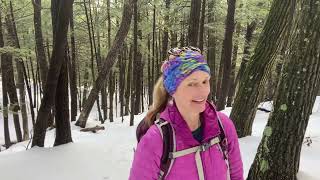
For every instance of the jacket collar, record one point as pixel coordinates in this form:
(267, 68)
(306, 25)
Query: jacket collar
(209, 122)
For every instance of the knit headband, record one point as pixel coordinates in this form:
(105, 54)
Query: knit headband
(177, 68)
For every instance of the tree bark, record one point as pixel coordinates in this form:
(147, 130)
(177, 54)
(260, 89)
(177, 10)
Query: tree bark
(14, 104)
(137, 67)
(211, 55)
(203, 16)
(194, 19)
(65, 8)
(279, 151)
(13, 36)
(233, 66)
(73, 74)
(246, 51)
(226, 55)
(5, 101)
(109, 61)
(278, 22)
(165, 37)
(41, 56)
(63, 129)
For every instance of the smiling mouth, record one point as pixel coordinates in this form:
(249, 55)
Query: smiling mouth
(198, 100)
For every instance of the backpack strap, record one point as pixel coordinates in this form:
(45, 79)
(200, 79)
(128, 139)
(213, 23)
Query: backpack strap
(169, 145)
(169, 149)
(223, 145)
(197, 150)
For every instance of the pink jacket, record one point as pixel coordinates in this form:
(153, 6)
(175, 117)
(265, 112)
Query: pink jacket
(147, 157)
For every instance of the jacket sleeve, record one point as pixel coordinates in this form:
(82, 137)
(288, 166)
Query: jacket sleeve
(146, 161)
(235, 161)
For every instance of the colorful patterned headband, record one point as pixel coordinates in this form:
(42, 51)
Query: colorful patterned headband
(182, 62)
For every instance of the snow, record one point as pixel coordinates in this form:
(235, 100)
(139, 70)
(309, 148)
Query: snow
(107, 155)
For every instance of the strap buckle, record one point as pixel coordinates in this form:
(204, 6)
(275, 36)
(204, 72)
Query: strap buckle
(204, 146)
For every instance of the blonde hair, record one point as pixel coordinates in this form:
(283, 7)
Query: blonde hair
(160, 100)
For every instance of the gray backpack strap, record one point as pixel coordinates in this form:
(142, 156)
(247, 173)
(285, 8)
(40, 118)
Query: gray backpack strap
(196, 150)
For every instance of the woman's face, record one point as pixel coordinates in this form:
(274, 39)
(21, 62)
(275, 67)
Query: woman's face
(192, 93)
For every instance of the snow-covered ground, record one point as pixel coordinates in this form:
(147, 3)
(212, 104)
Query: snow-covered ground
(107, 155)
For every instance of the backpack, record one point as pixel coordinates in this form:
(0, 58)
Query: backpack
(169, 146)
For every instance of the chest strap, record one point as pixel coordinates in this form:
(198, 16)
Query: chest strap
(196, 150)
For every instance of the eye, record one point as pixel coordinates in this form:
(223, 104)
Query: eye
(191, 84)
(205, 82)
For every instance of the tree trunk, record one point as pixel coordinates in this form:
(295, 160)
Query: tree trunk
(62, 118)
(246, 51)
(137, 68)
(154, 39)
(233, 66)
(13, 37)
(63, 130)
(279, 151)
(14, 104)
(203, 16)
(5, 101)
(111, 94)
(165, 37)
(63, 16)
(278, 22)
(108, 63)
(41, 56)
(26, 71)
(226, 55)
(122, 67)
(92, 48)
(211, 55)
(128, 82)
(194, 19)
(73, 74)
(5, 109)
(149, 72)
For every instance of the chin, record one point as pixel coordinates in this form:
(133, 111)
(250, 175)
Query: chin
(199, 108)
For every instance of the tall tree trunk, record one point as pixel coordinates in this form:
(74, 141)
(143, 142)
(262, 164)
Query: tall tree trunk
(92, 48)
(111, 86)
(73, 74)
(12, 34)
(41, 56)
(203, 16)
(211, 55)
(278, 22)
(279, 151)
(149, 73)
(63, 129)
(246, 51)
(5, 101)
(137, 68)
(165, 37)
(194, 19)
(122, 67)
(61, 110)
(26, 71)
(226, 55)
(108, 63)
(64, 13)
(128, 81)
(154, 39)
(233, 66)
(14, 104)
(104, 97)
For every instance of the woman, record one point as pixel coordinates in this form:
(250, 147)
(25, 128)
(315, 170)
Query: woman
(180, 96)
